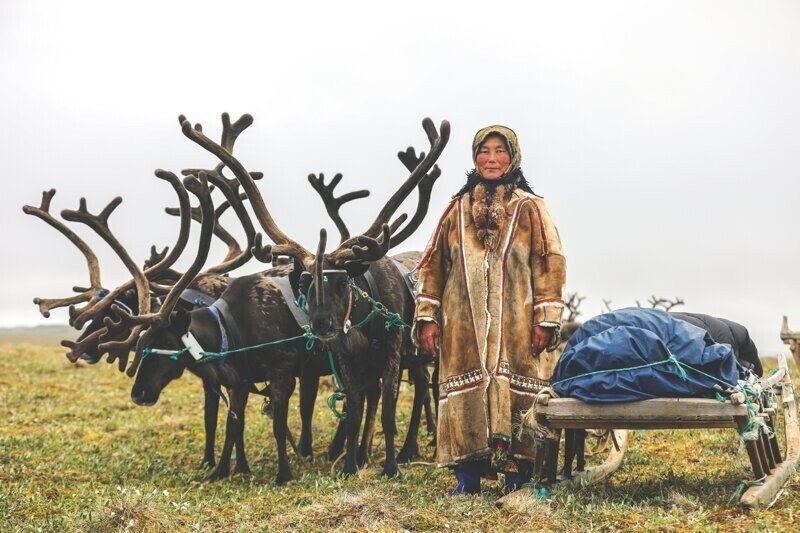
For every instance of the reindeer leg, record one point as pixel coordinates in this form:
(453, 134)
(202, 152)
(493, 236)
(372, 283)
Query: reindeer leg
(365, 448)
(337, 444)
(281, 391)
(430, 415)
(240, 401)
(580, 449)
(390, 376)
(569, 452)
(309, 386)
(435, 394)
(210, 414)
(355, 403)
(410, 449)
(223, 468)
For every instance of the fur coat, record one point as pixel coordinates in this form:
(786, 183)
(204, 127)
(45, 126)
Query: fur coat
(488, 275)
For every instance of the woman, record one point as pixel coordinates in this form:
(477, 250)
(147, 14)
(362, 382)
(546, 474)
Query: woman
(490, 301)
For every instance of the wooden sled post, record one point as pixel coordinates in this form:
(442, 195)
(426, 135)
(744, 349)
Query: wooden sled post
(764, 494)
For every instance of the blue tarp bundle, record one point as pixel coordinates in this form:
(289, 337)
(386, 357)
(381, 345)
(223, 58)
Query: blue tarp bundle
(630, 339)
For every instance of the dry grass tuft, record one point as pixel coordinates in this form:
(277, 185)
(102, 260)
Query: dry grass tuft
(132, 512)
(363, 509)
(676, 500)
(524, 503)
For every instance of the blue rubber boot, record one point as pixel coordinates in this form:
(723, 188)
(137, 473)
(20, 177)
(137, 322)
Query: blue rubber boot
(515, 480)
(468, 476)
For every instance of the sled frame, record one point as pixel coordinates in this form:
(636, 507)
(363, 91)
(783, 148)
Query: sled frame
(770, 469)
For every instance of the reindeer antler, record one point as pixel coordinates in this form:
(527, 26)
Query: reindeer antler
(573, 303)
(664, 303)
(87, 294)
(332, 204)
(410, 159)
(99, 224)
(438, 140)
(145, 325)
(230, 188)
(286, 245)
(78, 317)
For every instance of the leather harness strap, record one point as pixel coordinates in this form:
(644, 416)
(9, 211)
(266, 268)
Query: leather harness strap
(197, 298)
(285, 286)
(409, 276)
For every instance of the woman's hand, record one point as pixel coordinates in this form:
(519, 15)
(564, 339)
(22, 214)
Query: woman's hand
(541, 339)
(429, 337)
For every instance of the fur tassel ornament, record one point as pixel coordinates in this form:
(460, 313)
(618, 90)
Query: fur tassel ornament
(489, 213)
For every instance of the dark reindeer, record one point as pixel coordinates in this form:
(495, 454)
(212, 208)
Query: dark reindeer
(365, 357)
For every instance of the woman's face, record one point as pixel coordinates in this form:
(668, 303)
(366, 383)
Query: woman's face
(493, 158)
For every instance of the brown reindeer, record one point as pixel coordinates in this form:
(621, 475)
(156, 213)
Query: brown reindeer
(275, 364)
(367, 356)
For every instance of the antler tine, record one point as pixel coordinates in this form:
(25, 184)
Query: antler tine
(332, 204)
(266, 221)
(231, 131)
(234, 249)
(199, 187)
(155, 256)
(80, 347)
(438, 140)
(425, 187)
(183, 235)
(262, 252)
(46, 305)
(318, 266)
(99, 224)
(236, 255)
(368, 249)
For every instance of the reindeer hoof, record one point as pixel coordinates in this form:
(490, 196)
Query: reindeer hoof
(305, 451)
(207, 464)
(390, 471)
(242, 469)
(408, 454)
(283, 478)
(217, 474)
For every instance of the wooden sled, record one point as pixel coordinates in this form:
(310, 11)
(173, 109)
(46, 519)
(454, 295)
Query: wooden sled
(771, 469)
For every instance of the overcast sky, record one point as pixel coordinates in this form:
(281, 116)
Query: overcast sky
(664, 136)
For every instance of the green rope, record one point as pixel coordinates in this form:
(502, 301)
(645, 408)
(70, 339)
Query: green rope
(147, 352)
(540, 490)
(670, 359)
(392, 319)
(337, 394)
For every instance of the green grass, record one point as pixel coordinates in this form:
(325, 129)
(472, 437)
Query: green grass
(76, 454)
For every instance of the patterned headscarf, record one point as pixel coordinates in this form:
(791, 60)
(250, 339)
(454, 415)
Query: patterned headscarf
(511, 142)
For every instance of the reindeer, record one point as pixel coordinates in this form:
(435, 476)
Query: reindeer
(364, 357)
(279, 367)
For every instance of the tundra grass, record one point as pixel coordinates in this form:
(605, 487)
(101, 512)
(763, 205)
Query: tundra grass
(77, 454)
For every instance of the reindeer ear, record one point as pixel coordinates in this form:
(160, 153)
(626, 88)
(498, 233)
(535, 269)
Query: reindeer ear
(179, 320)
(356, 268)
(294, 277)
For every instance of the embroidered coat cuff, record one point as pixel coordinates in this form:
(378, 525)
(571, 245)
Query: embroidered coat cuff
(426, 310)
(547, 313)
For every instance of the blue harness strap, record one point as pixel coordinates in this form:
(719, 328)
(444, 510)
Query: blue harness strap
(224, 346)
(234, 336)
